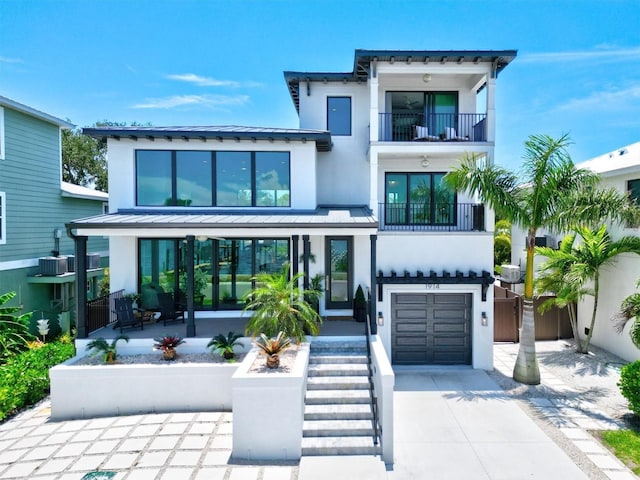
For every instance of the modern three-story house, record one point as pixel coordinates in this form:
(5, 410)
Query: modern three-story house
(354, 197)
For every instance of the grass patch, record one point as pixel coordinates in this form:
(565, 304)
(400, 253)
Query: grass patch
(625, 444)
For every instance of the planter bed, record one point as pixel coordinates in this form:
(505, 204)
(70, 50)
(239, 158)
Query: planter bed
(196, 382)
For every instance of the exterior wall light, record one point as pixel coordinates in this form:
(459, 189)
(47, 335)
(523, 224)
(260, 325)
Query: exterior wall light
(380, 319)
(426, 78)
(484, 321)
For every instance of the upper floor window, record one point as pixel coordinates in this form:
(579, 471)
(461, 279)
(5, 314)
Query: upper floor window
(633, 187)
(2, 143)
(418, 199)
(3, 218)
(339, 115)
(205, 178)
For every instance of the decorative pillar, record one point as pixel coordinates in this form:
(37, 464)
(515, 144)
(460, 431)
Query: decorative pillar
(191, 321)
(81, 285)
(374, 290)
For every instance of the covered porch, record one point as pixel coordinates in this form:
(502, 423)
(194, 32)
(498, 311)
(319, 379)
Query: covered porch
(200, 257)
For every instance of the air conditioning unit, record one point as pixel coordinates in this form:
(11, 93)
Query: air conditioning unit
(52, 266)
(93, 261)
(510, 273)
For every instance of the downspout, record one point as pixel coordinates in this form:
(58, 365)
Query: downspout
(373, 291)
(81, 282)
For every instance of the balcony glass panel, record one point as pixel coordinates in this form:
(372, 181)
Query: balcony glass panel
(193, 179)
(233, 179)
(272, 179)
(153, 178)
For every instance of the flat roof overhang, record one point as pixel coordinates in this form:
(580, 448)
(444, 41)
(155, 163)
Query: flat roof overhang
(324, 220)
(321, 138)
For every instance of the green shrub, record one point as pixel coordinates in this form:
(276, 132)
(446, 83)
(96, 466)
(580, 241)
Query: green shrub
(630, 385)
(24, 379)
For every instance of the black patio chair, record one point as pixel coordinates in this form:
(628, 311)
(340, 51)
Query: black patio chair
(168, 311)
(126, 315)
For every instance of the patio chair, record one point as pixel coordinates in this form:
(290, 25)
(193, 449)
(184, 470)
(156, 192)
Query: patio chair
(168, 311)
(126, 315)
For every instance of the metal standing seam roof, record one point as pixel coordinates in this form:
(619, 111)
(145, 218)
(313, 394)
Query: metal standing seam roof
(322, 138)
(324, 217)
(363, 59)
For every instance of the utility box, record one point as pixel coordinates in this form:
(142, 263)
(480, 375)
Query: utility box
(52, 266)
(510, 274)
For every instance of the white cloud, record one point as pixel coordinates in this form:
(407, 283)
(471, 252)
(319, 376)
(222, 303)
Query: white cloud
(9, 60)
(600, 54)
(209, 82)
(210, 101)
(620, 99)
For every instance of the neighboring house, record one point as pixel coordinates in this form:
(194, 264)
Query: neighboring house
(35, 204)
(355, 196)
(619, 169)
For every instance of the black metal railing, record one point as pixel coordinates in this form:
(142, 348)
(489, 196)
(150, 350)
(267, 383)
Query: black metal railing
(375, 420)
(433, 127)
(99, 311)
(431, 217)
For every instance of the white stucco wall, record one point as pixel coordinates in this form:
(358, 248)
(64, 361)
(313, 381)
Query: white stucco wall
(121, 158)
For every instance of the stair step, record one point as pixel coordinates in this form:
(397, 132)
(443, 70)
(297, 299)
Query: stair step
(340, 357)
(323, 397)
(356, 411)
(341, 382)
(337, 370)
(337, 428)
(360, 345)
(314, 446)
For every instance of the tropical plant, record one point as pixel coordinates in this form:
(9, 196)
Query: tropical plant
(14, 329)
(108, 350)
(272, 347)
(360, 305)
(168, 345)
(224, 345)
(630, 309)
(630, 385)
(502, 243)
(279, 304)
(551, 193)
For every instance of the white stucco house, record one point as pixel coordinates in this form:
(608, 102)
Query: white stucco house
(355, 196)
(619, 169)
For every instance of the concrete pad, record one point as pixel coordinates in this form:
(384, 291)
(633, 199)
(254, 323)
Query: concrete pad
(342, 468)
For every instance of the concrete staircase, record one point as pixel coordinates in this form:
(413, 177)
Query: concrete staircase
(338, 419)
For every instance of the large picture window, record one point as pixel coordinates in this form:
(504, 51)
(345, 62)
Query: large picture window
(223, 269)
(339, 115)
(205, 178)
(418, 199)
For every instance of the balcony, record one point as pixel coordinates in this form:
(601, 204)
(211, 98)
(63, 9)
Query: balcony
(425, 217)
(433, 127)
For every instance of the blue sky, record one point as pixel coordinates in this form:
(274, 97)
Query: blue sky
(205, 62)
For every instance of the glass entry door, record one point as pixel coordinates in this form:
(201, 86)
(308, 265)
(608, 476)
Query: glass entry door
(339, 268)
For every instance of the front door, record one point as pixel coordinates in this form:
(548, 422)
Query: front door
(339, 268)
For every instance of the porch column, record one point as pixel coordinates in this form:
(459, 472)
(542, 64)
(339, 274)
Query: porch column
(374, 288)
(191, 321)
(81, 286)
(491, 108)
(294, 254)
(374, 117)
(306, 252)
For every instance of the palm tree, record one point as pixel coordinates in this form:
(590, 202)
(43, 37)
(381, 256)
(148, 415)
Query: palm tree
(553, 278)
(280, 305)
(550, 194)
(597, 250)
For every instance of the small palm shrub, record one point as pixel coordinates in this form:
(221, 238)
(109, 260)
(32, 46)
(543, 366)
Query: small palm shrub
(14, 329)
(168, 345)
(630, 385)
(108, 350)
(272, 347)
(224, 345)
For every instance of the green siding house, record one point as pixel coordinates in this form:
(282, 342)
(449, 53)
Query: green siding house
(35, 204)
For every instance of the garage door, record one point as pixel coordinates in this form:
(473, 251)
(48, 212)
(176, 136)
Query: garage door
(431, 328)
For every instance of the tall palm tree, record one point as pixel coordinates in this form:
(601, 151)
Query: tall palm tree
(280, 305)
(597, 250)
(549, 194)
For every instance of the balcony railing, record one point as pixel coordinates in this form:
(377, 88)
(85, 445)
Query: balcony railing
(426, 217)
(434, 127)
